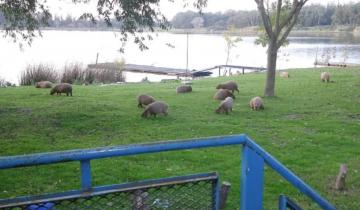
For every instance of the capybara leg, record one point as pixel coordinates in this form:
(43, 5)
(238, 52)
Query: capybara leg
(237, 91)
(140, 105)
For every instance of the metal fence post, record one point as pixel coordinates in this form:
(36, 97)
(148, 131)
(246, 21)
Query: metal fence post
(85, 169)
(252, 180)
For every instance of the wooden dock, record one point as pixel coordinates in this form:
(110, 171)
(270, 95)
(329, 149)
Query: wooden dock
(150, 69)
(336, 64)
(169, 71)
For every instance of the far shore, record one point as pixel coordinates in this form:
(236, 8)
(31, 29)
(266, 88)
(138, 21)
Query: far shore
(247, 31)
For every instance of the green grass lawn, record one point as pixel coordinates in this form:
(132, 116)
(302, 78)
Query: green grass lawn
(310, 126)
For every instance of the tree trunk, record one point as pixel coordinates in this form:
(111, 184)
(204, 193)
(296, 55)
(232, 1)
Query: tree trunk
(271, 67)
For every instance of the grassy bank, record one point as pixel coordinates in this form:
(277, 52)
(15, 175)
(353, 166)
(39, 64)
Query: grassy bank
(311, 127)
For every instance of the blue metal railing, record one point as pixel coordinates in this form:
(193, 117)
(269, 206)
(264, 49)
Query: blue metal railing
(253, 159)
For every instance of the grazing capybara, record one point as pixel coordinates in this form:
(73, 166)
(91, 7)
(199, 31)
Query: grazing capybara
(284, 74)
(222, 94)
(325, 77)
(62, 88)
(256, 103)
(225, 106)
(144, 100)
(157, 107)
(184, 89)
(230, 85)
(43, 84)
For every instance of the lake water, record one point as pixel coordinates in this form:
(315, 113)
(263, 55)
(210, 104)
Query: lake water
(60, 47)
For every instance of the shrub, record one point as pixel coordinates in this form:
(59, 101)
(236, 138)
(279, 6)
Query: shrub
(38, 72)
(73, 73)
(4, 83)
(110, 74)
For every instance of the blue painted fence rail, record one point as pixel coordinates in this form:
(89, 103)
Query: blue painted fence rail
(253, 159)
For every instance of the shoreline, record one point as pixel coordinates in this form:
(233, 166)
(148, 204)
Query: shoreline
(247, 31)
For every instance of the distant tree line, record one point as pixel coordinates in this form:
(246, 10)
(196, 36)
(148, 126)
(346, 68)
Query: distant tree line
(70, 22)
(311, 15)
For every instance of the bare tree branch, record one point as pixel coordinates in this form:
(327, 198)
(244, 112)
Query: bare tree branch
(295, 6)
(277, 20)
(288, 30)
(265, 18)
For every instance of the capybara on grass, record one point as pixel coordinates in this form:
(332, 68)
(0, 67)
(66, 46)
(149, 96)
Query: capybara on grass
(284, 74)
(184, 89)
(157, 107)
(225, 106)
(43, 84)
(62, 88)
(256, 103)
(325, 77)
(222, 94)
(230, 85)
(144, 100)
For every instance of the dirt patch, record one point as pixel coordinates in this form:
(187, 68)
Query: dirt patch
(354, 116)
(294, 117)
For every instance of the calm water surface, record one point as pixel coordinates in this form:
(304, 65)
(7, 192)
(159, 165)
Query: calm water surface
(60, 47)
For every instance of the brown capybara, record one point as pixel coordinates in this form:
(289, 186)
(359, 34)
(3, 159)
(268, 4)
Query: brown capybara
(43, 84)
(184, 89)
(144, 100)
(62, 88)
(157, 107)
(222, 94)
(325, 77)
(225, 106)
(256, 103)
(284, 74)
(230, 85)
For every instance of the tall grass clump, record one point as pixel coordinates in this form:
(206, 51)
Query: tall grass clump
(106, 75)
(38, 72)
(73, 73)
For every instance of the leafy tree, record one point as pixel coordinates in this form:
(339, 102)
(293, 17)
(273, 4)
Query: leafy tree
(278, 19)
(231, 41)
(23, 17)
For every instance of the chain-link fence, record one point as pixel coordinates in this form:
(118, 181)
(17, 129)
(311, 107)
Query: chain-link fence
(190, 192)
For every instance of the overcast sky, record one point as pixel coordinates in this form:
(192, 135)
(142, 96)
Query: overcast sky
(169, 9)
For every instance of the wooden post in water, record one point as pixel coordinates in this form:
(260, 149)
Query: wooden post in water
(97, 57)
(187, 55)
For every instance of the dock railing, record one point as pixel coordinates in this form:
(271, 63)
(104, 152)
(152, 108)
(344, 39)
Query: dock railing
(253, 159)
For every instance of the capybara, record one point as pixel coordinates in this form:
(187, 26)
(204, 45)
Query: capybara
(184, 89)
(62, 88)
(144, 100)
(256, 103)
(230, 85)
(43, 84)
(222, 94)
(225, 106)
(157, 107)
(284, 74)
(325, 77)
